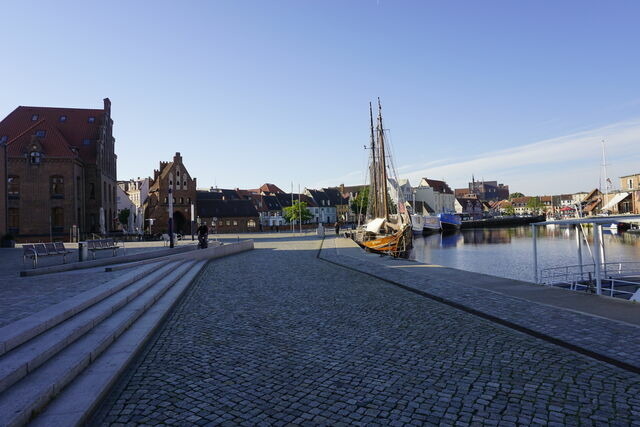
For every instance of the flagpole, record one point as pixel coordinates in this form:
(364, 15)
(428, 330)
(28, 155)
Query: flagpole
(300, 206)
(292, 224)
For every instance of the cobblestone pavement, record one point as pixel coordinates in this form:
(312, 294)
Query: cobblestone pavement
(278, 337)
(23, 296)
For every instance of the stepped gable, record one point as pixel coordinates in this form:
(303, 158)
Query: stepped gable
(73, 127)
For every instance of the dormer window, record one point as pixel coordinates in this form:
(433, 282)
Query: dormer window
(92, 119)
(86, 141)
(63, 119)
(34, 117)
(41, 133)
(34, 157)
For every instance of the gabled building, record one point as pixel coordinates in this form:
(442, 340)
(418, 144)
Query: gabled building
(631, 184)
(61, 172)
(436, 197)
(327, 212)
(338, 201)
(227, 215)
(469, 207)
(520, 205)
(172, 176)
(3, 190)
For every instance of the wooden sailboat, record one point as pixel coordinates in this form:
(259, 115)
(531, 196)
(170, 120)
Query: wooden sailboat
(387, 227)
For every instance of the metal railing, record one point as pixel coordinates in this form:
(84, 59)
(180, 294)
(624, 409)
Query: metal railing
(582, 278)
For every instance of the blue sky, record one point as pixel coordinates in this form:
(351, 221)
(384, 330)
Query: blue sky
(277, 91)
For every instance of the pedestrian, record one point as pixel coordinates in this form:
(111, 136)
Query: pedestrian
(203, 236)
(337, 225)
(260, 226)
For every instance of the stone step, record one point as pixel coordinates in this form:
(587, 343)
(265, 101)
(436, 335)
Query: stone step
(21, 360)
(76, 402)
(20, 331)
(31, 394)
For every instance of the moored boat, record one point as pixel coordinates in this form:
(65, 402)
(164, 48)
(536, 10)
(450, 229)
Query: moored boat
(387, 228)
(449, 222)
(431, 224)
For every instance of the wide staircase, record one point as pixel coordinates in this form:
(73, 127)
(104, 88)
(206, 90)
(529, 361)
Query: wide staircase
(56, 365)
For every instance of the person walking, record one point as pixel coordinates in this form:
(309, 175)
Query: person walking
(337, 225)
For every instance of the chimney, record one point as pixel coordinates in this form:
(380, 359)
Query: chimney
(107, 106)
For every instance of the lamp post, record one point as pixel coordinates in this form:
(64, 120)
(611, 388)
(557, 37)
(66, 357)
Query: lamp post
(192, 221)
(170, 218)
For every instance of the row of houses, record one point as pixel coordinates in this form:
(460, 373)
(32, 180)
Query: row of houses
(624, 201)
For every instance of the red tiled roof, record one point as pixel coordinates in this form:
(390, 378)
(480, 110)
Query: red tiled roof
(18, 126)
(439, 186)
(270, 188)
(53, 143)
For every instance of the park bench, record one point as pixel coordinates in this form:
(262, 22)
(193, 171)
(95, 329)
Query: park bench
(103, 245)
(41, 250)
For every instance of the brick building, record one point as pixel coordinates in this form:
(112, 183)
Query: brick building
(172, 175)
(229, 215)
(3, 190)
(61, 171)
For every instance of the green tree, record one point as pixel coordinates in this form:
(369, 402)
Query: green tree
(123, 217)
(509, 209)
(297, 210)
(360, 202)
(514, 195)
(535, 205)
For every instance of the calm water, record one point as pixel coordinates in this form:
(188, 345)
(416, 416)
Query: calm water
(508, 252)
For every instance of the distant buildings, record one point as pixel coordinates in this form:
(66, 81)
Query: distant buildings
(433, 197)
(61, 172)
(3, 190)
(484, 190)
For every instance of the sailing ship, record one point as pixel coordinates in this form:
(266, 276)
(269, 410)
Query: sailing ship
(387, 226)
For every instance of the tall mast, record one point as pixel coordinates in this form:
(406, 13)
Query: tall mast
(604, 170)
(383, 163)
(374, 172)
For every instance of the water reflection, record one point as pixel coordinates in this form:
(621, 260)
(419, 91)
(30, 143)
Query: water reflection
(508, 252)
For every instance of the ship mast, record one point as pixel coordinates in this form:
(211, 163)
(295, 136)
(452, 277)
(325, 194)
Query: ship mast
(382, 164)
(373, 171)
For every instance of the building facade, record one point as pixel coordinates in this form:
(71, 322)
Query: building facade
(631, 184)
(61, 172)
(3, 190)
(175, 177)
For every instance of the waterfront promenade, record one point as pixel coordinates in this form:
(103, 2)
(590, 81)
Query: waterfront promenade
(286, 335)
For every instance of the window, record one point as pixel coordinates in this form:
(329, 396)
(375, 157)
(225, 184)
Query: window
(57, 219)
(3, 139)
(170, 182)
(91, 119)
(34, 158)
(34, 117)
(92, 191)
(41, 133)
(13, 219)
(188, 200)
(182, 200)
(57, 187)
(166, 200)
(78, 188)
(228, 222)
(630, 182)
(63, 119)
(86, 141)
(251, 223)
(13, 187)
(235, 222)
(184, 183)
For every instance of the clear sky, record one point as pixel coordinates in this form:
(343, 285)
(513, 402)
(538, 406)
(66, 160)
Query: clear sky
(278, 91)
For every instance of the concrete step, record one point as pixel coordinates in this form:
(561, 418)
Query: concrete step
(80, 399)
(32, 393)
(20, 331)
(21, 360)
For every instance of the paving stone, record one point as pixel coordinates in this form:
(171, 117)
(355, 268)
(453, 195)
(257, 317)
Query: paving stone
(280, 336)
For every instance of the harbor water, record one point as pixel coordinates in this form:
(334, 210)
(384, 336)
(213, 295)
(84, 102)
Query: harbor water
(508, 252)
